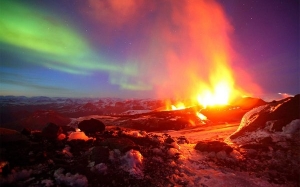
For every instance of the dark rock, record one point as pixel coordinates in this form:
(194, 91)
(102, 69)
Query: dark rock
(123, 144)
(5, 169)
(169, 140)
(26, 132)
(51, 131)
(91, 126)
(99, 155)
(36, 136)
(213, 146)
(182, 140)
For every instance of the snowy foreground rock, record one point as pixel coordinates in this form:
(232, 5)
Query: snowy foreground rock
(269, 140)
(263, 151)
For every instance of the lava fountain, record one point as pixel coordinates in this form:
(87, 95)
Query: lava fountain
(199, 56)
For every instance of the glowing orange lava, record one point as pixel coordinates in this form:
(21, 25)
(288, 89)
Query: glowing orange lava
(178, 106)
(201, 116)
(221, 89)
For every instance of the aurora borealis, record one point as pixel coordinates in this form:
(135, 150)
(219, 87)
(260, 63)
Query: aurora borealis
(143, 48)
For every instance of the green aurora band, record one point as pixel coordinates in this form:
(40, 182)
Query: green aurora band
(40, 38)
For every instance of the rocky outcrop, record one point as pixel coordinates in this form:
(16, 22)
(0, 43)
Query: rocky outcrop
(268, 139)
(11, 136)
(277, 116)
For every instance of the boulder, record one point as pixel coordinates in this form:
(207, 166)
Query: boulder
(91, 126)
(51, 131)
(26, 132)
(213, 146)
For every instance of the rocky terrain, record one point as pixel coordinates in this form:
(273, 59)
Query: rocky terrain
(245, 145)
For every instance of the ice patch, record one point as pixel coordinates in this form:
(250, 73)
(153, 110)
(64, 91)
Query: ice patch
(101, 168)
(76, 180)
(134, 133)
(133, 163)
(172, 151)
(15, 176)
(291, 128)
(47, 183)
(113, 155)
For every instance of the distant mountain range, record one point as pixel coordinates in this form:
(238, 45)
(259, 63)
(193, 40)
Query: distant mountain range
(16, 108)
(17, 112)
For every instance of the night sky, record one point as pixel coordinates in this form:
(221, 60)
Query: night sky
(147, 48)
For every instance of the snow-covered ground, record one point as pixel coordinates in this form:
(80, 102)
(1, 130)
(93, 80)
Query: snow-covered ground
(132, 112)
(193, 164)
